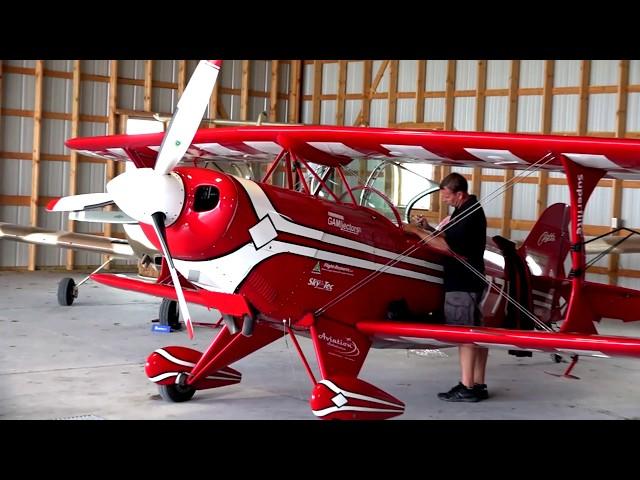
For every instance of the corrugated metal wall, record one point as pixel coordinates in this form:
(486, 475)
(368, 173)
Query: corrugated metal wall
(142, 87)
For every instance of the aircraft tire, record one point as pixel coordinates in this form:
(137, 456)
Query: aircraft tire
(176, 393)
(169, 314)
(67, 291)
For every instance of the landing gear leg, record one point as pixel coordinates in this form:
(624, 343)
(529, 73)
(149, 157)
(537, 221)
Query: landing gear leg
(68, 290)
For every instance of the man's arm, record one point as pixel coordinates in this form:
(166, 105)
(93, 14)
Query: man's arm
(438, 242)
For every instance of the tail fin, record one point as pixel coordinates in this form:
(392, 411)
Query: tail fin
(547, 245)
(545, 251)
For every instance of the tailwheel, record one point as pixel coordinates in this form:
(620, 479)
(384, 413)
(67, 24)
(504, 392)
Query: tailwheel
(67, 291)
(177, 392)
(169, 314)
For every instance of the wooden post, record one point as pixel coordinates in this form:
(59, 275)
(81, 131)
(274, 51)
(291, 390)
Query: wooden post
(182, 76)
(507, 199)
(363, 116)
(273, 92)
(73, 156)
(420, 89)
(583, 114)
(35, 152)
(148, 84)
(342, 91)
(295, 77)
(244, 91)
(317, 92)
(392, 95)
(547, 109)
(481, 86)
(448, 125)
(621, 131)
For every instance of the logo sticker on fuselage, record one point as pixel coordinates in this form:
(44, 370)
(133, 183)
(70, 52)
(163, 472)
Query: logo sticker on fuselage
(344, 347)
(320, 284)
(337, 220)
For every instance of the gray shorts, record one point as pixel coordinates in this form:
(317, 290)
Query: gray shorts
(461, 308)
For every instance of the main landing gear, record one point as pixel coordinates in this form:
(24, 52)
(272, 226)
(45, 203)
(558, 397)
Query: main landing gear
(170, 315)
(177, 392)
(68, 290)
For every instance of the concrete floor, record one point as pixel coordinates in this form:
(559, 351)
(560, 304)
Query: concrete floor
(87, 361)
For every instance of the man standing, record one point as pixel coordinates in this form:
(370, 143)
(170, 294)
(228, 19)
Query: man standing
(465, 235)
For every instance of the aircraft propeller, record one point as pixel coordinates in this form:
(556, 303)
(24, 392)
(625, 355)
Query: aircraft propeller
(156, 196)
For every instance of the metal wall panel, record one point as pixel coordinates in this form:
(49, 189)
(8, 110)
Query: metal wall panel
(466, 74)
(257, 105)
(94, 97)
(557, 193)
(130, 97)
(18, 91)
(634, 72)
(383, 86)
(57, 95)
(306, 113)
(15, 177)
(54, 178)
(434, 109)
(21, 63)
(59, 65)
(407, 75)
(48, 256)
(351, 110)
(328, 112)
(282, 111)
(259, 75)
(307, 79)
(231, 104)
(406, 110)
(91, 178)
(17, 134)
(567, 73)
(493, 207)
(284, 77)
(355, 77)
(165, 70)
(498, 72)
(604, 72)
(163, 100)
(565, 113)
(329, 78)
(531, 73)
(94, 67)
(14, 254)
(602, 112)
(633, 112)
(53, 135)
(464, 113)
(518, 235)
(524, 198)
(630, 211)
(529, 113)
(379, 113)
(436, 77)
(496, 114)
(131, 69)
(91, 129)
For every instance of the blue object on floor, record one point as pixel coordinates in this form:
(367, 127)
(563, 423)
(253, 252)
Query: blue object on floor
(161, 328)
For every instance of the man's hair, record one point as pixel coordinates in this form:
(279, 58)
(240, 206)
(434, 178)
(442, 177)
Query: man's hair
(455, 182)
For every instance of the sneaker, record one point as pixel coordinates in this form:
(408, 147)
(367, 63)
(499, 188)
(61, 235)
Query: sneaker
(459, 393)
(481, 391)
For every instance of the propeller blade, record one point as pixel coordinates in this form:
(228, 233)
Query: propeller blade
(76, 203)
(97, 216)
(188, 114)
(158, 225)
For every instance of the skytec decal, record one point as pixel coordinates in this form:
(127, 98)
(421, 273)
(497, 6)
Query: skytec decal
(337, 220)
(320, 284)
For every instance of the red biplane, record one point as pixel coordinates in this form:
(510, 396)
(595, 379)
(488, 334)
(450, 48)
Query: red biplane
(314, 258)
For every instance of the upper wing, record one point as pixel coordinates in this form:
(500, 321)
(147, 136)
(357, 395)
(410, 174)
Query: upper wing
(340, 145)
(421, 335)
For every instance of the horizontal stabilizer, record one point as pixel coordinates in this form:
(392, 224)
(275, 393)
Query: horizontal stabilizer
(116, 247)
(76, 203)
(99, 216)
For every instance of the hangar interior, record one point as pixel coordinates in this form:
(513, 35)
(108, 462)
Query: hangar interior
(45, 102)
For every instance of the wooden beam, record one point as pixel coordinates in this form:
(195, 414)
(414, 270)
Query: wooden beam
(35, 157)
(448, 125)
(295, 82)
(273, 92)
(481, 85)
(507, 198)
(363, 116)
(73, 155)
(110, 167)
(148, 84)
(393, 92)
(342, 91)
(182, 76)
(420, 87)
(547, 110)
(621, 130)
(317, 91)
(244, 92)
(583, 113)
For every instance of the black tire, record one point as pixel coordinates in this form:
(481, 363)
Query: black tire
(556, 358)
(176, 393)
(67, 291)
(169, 314)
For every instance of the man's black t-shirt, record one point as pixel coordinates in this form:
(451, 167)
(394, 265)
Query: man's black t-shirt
(467, 238)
